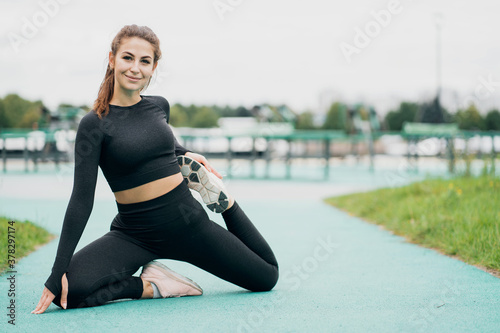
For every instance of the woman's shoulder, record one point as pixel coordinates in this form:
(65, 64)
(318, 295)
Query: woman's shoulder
(90, 116)
(89, 121)
(161, 101)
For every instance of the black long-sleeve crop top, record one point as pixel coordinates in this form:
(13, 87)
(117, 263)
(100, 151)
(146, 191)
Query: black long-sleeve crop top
(133, 145)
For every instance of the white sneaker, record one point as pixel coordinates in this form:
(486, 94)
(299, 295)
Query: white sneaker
(169, 283)
(210, 187)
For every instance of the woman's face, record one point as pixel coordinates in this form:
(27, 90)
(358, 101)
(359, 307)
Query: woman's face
(133, 64)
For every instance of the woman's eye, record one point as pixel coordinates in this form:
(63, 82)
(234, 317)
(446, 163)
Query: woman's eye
(130, 58)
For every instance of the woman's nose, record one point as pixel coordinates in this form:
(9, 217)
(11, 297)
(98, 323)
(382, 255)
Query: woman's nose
(135, 67)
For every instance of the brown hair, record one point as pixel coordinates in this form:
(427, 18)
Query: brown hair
(101, 104)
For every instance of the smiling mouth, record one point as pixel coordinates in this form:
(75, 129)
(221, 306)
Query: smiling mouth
(133, 78)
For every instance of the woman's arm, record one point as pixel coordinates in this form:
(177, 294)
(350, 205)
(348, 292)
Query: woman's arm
(87, 153)
(180, 150)
(163, 104)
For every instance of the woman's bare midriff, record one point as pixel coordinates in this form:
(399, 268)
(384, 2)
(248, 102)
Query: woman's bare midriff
(149, 190)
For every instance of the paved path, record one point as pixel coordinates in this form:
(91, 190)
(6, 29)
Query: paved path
(338, 273)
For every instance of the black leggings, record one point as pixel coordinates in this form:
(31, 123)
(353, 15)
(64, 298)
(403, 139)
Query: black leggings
(172, 226)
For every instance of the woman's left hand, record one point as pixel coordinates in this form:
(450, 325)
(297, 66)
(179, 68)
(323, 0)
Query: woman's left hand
(201, 159)
(48, 297)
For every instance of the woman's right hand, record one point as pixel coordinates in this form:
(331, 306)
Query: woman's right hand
(48, 297)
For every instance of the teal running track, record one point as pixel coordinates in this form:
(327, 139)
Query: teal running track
(337, 272)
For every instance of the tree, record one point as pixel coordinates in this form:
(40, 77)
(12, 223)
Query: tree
(226, 111)
(492, 120)
(205, 117)
(243, 112)
(32, 115)
(3, 116)
(178, 117)
(336, 117)
(65, 105)
(190, 111)
(406, 112)
(431, 112)
(17, 112)
(470, 119)
(305, 121)
(85, 108)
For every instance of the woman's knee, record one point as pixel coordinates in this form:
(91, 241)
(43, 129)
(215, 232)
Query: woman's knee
(267, 282)
(78, 291)
(72, 301)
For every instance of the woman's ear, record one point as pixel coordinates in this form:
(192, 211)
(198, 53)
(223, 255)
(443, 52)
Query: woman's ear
(111, 59)
(155, 65)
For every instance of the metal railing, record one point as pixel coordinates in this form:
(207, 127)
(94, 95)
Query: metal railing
(325, 145)
(31, 145)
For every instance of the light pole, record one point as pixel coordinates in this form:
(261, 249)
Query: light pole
(438, 21)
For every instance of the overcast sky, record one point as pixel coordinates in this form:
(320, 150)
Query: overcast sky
(245, 52)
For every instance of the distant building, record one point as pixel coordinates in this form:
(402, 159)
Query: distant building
(66, 117)
(266, 113)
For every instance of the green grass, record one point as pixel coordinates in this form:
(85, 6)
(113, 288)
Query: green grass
(26, 237)
(459, 217)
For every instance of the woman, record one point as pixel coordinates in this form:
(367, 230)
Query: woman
(127, 135)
